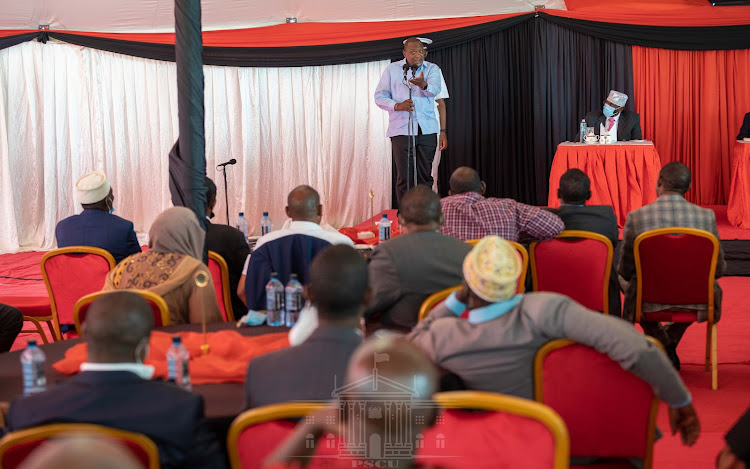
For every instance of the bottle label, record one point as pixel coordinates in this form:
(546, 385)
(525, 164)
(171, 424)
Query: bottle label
(185, 374)
(385, 232)
(171, 369)
(265, 229)
(40, 380)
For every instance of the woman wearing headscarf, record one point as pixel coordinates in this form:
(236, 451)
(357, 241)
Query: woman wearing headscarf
(170, 267)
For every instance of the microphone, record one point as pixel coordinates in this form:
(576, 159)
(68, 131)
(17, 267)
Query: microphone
(232, 161)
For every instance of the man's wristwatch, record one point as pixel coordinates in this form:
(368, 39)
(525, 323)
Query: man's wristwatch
(443, 131)
(425, 87)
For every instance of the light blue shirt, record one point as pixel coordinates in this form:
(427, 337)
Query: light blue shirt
(484, 314)
(393, 89)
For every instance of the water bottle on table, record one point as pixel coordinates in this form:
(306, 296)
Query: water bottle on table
(294, 301)
(32, 367)
(583, 131)
(265, 224)
(242, 225)
(178, 359)
(384, 229)
(274, 301)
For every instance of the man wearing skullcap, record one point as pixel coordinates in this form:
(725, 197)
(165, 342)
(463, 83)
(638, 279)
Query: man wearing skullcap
(96, 226)
(615, 120)
(493, 350)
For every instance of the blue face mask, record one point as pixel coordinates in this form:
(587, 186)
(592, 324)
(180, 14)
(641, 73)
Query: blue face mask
(608, 110)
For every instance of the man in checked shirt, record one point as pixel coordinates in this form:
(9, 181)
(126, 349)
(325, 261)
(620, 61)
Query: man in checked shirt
(469, 215)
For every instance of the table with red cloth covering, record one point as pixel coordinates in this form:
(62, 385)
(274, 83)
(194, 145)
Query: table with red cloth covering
(21, 283)
(366, 225)
(622, 174)
(738, 207)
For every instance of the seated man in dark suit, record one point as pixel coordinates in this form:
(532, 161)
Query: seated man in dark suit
(114, 389)
(229, 243)
(574, 191)
(96, 226)
(745, 129)
(407, 269)
(312, 370)
(11, 323)
(736, 452)
(615, 120)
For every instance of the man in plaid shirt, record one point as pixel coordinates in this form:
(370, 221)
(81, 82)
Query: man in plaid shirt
(469, 215)
(669, 209)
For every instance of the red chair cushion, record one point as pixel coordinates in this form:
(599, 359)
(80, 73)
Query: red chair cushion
(674, 269)
(605, 408)
(256, 442)
(573, 267)
(72, 276)
(215, 270)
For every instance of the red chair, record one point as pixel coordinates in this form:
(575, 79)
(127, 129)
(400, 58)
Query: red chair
(577, 264)
(220, 273)
(434, 300)
(677, 266)
(70, 273)
(157, 303)
(609, 412)
(17, 446)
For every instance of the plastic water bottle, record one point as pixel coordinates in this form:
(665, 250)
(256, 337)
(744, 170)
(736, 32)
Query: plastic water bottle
(583, 131)
(274, 301)
(242, 224)
(32, 367)
(265, 224)
(178, 359)
(384, 229)
(294, 300)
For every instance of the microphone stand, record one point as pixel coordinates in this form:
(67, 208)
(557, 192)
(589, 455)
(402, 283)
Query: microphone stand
(226, 194)
(411, 150)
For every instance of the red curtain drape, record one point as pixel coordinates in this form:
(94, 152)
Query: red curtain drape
(691, 105)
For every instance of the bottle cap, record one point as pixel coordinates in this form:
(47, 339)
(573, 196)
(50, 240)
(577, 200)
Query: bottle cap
(385, 216)
(292, 276)
(265, 214)
(176, 339)
(242, 214)
(31, 343)
(274, 275)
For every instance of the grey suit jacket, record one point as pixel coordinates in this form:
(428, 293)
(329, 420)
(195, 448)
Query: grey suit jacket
(308, 372)
(628, 126)
(409, 268)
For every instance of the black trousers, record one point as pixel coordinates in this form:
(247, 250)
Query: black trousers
(11, 323)
(426, 146)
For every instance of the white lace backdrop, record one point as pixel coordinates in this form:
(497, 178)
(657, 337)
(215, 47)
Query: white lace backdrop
(66, 110)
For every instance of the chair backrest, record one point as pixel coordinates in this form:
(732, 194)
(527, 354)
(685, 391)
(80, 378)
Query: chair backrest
(70, 273)
(220, 273)
(523, 253)
(435, 299)
(676, 266)
(609, 411)
(577, 264)
(15, 447)
(157, 303)
(256, 432)
(287, 255)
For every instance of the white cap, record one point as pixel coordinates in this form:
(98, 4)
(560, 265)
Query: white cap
(92, 187)
(423, 40)
(617, 98)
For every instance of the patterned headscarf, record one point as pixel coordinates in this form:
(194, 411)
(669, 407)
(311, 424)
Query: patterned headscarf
(176, 230)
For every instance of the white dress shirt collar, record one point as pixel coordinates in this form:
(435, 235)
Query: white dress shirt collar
(142, 371)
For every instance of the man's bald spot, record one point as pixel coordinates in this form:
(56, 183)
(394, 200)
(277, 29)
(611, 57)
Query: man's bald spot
(420, 206)
(675, 176)
(303, 203)
(406, 365)
(465, 179)
(81, 451)
(118, 321)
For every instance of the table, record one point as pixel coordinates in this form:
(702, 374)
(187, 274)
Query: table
(738, 207)
(622, 174)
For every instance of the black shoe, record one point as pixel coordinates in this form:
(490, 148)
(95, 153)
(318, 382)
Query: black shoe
(672, 354)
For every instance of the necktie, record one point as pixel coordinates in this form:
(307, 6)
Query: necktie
(611, 121)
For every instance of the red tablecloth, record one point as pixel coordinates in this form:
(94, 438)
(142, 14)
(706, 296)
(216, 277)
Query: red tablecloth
(352, 232)
(622, 175)
(21, 284)
(738, 208)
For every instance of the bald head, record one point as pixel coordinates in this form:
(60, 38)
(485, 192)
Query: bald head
(116, 324)
(81, 451)
(674, 177)
(420, 208)
(338, 283)
(465, 179)
(303, 204)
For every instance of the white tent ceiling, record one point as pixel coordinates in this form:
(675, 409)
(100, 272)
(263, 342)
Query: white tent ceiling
(158, 15)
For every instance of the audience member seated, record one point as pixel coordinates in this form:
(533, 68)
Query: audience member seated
(96, 226)
(400, 364)
(114, 389)
(313, 370)
(408, 268)
(169, 268)
(736, 453)
(615, 120)
(745, 129)
(494, 349)
(669, 209)
(469, 215)
(229, 242)
(574, 191)
(81, 452)
(306, 212)
(11, 323)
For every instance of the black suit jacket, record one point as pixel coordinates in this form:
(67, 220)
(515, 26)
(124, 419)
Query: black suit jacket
(229, 243)
(628, 126)
(309, 371)
(597, 219)
(745, 129)
(170, 416)
(98, 229)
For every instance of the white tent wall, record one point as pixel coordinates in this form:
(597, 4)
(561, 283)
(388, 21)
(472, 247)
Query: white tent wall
(66, 110)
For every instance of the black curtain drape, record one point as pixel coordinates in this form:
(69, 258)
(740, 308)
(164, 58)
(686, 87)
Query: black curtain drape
(516, 94)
